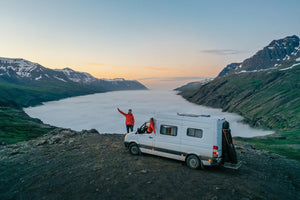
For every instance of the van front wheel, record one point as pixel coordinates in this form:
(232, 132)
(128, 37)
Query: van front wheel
(134, 149)
(193, 162)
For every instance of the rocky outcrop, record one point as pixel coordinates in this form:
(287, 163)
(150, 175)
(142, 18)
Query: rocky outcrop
(229, 68)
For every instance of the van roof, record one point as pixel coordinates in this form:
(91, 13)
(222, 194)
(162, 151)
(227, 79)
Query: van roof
(186, 117)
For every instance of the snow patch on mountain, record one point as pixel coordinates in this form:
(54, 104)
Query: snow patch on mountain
(38, 78)
(77, 76)
(112, 80)
(60, 79)
(254, 71)
(287, 57)
(23, 74)
(291, 67)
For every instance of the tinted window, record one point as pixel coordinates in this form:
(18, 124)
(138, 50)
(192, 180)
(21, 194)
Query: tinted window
(193, 132)
(168, 130)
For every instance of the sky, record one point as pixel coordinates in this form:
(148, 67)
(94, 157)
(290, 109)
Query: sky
(161, 43)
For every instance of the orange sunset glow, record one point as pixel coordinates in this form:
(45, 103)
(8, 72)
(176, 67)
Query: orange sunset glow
(149, 41)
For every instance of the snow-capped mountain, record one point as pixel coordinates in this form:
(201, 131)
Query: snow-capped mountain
(20, 71)
(274, 56)
(24, 83)
(78, 77)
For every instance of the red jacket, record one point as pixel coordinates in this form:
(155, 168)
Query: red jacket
(129, 118)
(151, 128)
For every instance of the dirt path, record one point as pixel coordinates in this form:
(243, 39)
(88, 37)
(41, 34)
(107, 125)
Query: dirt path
(87, 165)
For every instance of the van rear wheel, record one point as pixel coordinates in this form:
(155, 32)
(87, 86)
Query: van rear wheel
(134, 149)
(193, 162)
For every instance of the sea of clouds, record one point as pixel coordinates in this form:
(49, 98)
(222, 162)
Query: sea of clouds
(99, 111)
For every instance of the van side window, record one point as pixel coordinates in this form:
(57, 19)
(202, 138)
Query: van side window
(193, 132)
(168, 130)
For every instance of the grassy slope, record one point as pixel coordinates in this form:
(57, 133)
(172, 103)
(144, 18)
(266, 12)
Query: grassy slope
(265, 99)
(288, 146)
(16, 126)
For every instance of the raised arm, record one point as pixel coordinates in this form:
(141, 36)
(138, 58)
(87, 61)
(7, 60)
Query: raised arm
(122, 112)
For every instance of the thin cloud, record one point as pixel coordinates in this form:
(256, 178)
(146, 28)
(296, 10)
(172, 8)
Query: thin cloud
(157, 68)
(96, 64)
(183, 78)
(173, 78)
(222, 52)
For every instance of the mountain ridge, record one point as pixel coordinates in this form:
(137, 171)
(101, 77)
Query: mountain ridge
(272, 56)
(24, 83)
(21, 68)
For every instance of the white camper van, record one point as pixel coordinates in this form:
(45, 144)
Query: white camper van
(198, 140)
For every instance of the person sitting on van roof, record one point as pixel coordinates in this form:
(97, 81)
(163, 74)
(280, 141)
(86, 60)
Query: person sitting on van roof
(151, 126)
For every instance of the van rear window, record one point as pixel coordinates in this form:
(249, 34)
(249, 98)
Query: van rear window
(168, 130)
(193, 132)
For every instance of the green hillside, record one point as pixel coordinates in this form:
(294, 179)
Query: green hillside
(23, 96)
(268, 99)
(16, 126)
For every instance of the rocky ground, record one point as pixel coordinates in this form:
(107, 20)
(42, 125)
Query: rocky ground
(65, 164)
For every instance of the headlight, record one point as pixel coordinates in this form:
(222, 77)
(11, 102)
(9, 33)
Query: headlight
(125, 137)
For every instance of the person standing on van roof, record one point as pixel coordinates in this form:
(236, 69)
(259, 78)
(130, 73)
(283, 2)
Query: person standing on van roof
(129, 119)
(151, 126)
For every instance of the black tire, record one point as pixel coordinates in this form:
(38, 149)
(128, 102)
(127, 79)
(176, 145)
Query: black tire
(193, 162)
(134, 149)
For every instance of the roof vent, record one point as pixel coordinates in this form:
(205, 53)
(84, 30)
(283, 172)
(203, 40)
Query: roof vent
(191, 115)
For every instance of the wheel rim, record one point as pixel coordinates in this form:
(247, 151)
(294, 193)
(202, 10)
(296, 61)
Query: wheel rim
(134, 150)
(193, 163)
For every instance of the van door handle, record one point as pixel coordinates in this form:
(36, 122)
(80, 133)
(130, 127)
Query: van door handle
(150, 137)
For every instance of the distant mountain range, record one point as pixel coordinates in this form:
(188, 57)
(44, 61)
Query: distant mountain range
(264, 88)
(26, 83)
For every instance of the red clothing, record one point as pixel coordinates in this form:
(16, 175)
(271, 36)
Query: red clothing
(151, 127)
(129, 118)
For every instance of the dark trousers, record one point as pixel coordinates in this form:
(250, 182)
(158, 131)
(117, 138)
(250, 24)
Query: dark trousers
(129, 127)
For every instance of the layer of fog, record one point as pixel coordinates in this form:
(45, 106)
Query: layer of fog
(99, 111)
